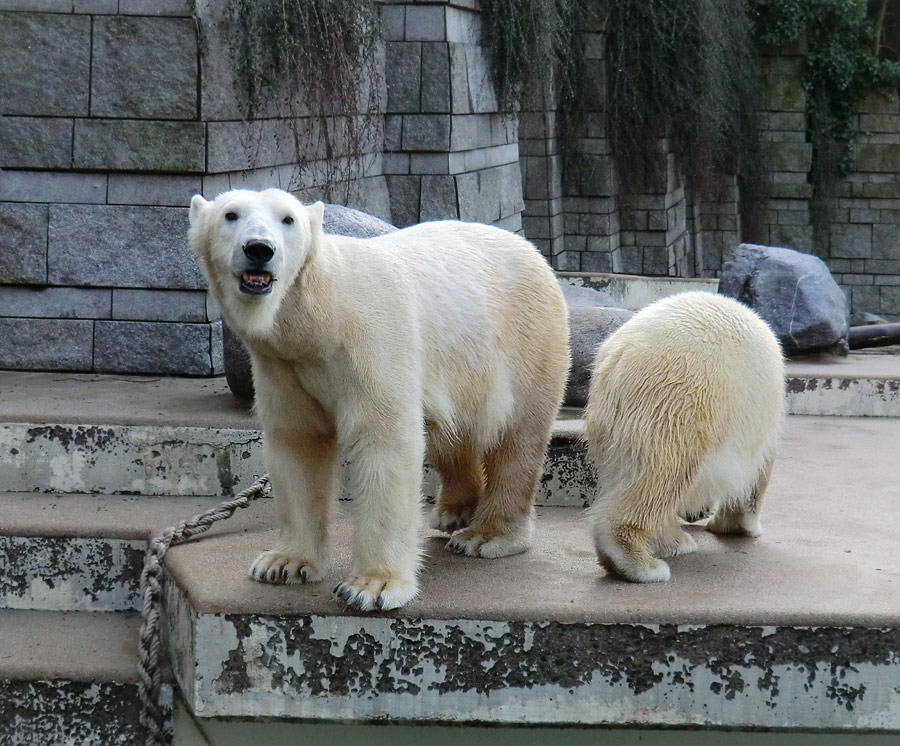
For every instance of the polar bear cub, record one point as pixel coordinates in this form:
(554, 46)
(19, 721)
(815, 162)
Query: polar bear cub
(445, 337)
(684, 414)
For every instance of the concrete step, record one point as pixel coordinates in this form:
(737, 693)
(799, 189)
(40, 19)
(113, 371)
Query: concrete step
(65, 433)
(798, 629)
(81, 552)
(70, 678)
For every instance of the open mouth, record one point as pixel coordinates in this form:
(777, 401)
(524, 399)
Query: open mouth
(256, 283)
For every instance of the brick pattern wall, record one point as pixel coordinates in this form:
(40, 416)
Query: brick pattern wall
(101, 148)
(860, 241)
(112, 114)
(448, 152)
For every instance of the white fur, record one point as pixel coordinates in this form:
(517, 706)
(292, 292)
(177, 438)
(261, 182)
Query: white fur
(362, 346)
(683, 415)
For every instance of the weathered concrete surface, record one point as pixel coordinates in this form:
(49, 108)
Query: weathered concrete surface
(866, 383)
(797, 629)
(70, 678)
(84, 552)
(633, 291)
(188, 437)
(142, 460)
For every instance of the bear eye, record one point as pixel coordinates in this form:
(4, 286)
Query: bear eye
(287, 220)
(231, 216)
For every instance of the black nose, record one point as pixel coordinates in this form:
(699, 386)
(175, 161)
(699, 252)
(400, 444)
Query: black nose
(259, 251)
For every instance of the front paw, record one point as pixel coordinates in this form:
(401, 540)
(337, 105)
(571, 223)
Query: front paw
(281, 568)
(376, 591)
(672, 545)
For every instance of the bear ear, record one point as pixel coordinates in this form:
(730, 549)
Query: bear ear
(316, 213)
(198, 204)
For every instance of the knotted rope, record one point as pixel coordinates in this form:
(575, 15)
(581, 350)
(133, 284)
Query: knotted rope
(148, 667)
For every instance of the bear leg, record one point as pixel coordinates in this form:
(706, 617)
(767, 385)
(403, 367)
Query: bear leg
(671, 541)
(503, 521)
(622, 550)
(462, 484)
(742, 518)
(385, 474)
(304, 474)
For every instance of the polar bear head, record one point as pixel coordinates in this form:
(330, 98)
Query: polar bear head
(252, 246)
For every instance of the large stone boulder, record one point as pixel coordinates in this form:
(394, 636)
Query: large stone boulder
(340, 221)
(588, 327)
(795, 294)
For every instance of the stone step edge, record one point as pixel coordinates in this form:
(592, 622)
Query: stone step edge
(82, 553)
(350, 668)
(71, 677)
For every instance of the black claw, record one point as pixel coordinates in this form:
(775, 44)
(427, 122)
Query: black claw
(303, 576)
(357, 602)
(336, 589)
(345, 594)
(379, 603)
(284, 575)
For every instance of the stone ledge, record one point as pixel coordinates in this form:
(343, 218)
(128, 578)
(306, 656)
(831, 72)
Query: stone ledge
(797, 629)
(70, 678)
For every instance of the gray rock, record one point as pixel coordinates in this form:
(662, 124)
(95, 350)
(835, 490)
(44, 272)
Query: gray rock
(589, 325)
(794, 293)
(345, 221)
(339, 221)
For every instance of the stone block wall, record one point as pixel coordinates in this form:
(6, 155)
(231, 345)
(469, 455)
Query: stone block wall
(859, 237)
(448, 152)
(101, 149)
(114, 112)
(864, 237)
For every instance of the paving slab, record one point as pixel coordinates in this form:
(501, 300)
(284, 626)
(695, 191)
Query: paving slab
(70, 677)
(81, 552)
(797, 629)
(90, 399)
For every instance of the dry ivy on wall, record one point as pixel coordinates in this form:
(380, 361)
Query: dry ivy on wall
(676, 67)
(680, 68)
(842, 66)
(314, 64)
(689, 69)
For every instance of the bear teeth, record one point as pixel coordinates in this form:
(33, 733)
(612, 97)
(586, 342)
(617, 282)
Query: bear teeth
(251, 278)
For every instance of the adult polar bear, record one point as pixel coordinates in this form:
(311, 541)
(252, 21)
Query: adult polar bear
(448, 336)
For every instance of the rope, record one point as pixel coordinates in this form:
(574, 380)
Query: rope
(148, 667)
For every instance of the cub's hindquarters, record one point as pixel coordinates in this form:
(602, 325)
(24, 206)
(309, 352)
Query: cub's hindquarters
(683, 414)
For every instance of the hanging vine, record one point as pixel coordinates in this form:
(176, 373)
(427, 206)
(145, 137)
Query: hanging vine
(315, 67)
(841, 68)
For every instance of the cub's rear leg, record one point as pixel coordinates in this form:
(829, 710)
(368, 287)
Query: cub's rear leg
(625, 519)
(742, 517)
(671, 540)
(502, 523)
(462, 484)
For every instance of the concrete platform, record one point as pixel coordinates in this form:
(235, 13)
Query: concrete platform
(70, 678)
(798, 629)
(81, 553)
